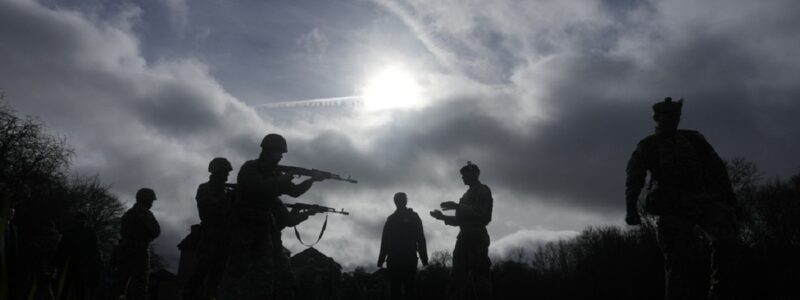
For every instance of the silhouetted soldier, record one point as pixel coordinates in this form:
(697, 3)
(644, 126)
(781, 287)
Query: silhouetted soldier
(78, 260)
(12, 287)
(139, 229)
(42, 250)
(471, 255)
(213, 205)
(258, 267)
(689, 186)
(402, 239)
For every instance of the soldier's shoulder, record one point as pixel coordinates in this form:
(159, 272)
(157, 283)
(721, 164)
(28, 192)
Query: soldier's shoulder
(250, 164)
(693, 134)
(650, 139)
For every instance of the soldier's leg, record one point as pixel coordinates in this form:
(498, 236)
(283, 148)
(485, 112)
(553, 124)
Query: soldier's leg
(248, 273)
(409, 277)
(121, 279)
(284, 278)
(395, 281)
(140, 271)
(675, 236)
(220, 258)
(479, 269)
(459, 274)
(719, 225)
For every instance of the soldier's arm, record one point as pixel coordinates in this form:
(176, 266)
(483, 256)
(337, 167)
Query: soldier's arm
(716, 165)
(250, 179)
(202, 197)
(151, 228)
(480, 210)
(384, 243)
(636, 173)
(295, 190)
(422, 247)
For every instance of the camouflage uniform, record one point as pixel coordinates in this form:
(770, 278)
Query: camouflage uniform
(402, 239)
(689, 187)
(213, 206)
(258, 267)
(139, 228)
(471, 255)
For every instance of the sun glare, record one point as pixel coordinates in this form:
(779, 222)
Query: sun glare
(391, 88)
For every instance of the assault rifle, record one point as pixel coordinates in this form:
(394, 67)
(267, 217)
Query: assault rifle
(298, 171)
(315, 208)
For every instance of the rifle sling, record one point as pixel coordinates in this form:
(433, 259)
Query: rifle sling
(322, 231)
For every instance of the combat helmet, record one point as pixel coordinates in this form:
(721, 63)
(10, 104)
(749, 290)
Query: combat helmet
(274, 143)
(219, 164)
(145, 194)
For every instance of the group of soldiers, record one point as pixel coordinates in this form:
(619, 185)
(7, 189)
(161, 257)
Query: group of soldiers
(241, 254)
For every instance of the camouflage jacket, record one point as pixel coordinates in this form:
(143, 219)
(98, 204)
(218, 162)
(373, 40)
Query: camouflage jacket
(678, 161)
(474, 211)
(139, 228)
(213, 206)
(258, 206)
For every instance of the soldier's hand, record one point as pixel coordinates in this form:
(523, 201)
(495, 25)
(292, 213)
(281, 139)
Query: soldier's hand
(285, 178)
(380, 264)
(633, 219)
(437, 214)
(447, 205)
(424, 262)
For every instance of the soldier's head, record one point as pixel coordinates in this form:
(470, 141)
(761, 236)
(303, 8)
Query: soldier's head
(273, 146)
(667, 114)
(470, 173)
(219, 168)
(400, 200)
(145, 196)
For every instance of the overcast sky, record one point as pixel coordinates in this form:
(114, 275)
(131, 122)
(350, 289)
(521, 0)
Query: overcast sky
(549, 98)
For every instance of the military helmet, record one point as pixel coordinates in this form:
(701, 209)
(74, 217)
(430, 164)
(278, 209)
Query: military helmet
(274, 142)
(668, 106)
(219, 164)
(145, 194)
(470, 168)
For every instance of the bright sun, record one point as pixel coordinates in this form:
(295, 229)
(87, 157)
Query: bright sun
(393, 87)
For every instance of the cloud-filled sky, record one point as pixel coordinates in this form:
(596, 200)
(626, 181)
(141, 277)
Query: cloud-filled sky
(547, 97)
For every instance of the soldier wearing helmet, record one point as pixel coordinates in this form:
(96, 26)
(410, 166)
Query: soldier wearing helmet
(213, 205)
(257, 267)
(132, 256)
(471, 254)
(689, 187)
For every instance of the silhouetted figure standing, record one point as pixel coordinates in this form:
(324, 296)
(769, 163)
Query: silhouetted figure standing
(258, 267)
(402, 239)
(10, 286)
(42, 250)
(139, 229)
(213, 205)
(78, 261)
(471, 255)
(689, 186)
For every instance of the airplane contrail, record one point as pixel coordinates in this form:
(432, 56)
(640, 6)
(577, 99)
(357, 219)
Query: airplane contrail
(319, 102)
